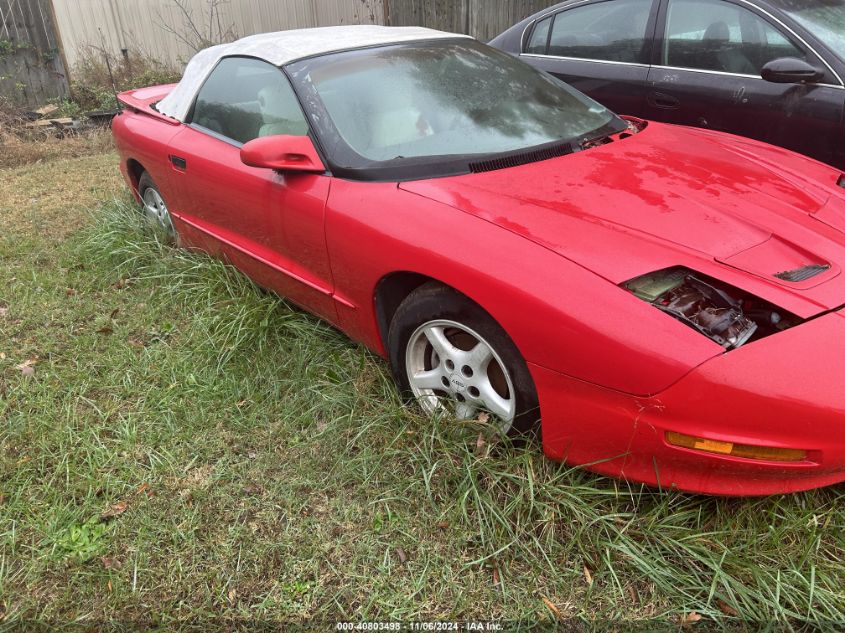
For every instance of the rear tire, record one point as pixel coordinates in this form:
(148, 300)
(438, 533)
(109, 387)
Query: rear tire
(155, 209)
(447, 354)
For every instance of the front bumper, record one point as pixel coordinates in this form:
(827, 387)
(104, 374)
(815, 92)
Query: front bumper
(786, 391)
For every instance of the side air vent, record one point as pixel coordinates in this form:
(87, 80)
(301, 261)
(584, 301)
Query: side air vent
(802, 274)
(524, 158)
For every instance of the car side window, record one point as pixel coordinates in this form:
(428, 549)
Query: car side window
(722, 36)
(539, 37)
(613, 30)
(244, 98)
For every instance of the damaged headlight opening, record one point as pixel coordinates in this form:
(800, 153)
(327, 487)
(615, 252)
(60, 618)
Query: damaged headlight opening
(727, 315)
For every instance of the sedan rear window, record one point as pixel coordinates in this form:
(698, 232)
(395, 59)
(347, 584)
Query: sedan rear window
(608, 31)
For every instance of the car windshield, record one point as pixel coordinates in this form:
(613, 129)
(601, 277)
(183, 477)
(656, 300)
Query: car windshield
(444, 99)
(823, 18)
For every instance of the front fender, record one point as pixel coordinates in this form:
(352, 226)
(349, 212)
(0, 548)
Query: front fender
(560, 315)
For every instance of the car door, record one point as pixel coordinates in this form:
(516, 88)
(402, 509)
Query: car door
(706, 72)
(600, 47)
(267, 223)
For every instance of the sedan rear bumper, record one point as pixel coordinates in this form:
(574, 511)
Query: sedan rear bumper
(785, 391)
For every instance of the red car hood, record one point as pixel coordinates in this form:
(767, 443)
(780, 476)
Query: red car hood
(729, 207)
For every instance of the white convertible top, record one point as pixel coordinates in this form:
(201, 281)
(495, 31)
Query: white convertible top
(283, 47)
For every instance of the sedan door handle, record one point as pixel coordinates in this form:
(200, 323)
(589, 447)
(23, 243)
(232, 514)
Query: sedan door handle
(662, 100)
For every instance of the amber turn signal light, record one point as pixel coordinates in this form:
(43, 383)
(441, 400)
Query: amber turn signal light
(748, 451)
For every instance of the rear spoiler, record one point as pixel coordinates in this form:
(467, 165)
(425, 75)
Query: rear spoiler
(143, 101)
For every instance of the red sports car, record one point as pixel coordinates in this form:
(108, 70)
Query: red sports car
(665, 302)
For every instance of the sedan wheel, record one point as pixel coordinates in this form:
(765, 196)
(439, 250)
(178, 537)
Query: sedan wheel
(155, 208)
(450, 356)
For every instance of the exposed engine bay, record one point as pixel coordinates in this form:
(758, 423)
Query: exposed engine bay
(725, 314)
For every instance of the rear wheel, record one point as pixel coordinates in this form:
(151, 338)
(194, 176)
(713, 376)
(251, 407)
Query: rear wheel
(155, 209)
(450, 356)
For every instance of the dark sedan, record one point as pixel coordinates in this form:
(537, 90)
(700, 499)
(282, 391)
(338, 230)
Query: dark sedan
(768, 69)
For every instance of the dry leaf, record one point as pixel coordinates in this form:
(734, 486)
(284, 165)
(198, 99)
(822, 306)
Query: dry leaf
(136, 343)
(690, 618)
(26, 364)
(3, 311)
(233, 593)
(2, 356)
(480, 443)
(443, 525)
(28, 371)
(727, 609)
(143, 488)
(483, 417)
(588, 576)
(253, 489)
(110, 563)
(108, 586)
(70, 292)
(114, 313)
(552, 607)
(114, 511)
(400, 553)
(106, 329)
(495, 575)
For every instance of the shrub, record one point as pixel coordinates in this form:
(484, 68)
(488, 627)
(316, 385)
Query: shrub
(92, 86)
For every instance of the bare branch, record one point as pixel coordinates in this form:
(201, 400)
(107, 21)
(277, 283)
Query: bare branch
(194, 32)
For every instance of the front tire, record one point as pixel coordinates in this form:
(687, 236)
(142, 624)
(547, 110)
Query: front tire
(447, 354)
(155, 209)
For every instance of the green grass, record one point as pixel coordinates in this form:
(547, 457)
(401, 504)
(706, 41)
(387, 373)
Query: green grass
(257, 464)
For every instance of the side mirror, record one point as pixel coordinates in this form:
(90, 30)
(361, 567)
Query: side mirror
(791, 70)
(283, 153)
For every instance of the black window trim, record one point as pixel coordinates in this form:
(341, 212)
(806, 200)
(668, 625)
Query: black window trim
(214, 134)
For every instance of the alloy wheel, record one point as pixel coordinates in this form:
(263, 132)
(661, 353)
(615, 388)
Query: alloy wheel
(156, 211)
(452, 367)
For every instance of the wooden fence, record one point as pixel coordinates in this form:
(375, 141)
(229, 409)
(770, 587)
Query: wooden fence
(483, 19)
(32, 70)
(170, 30)
(38, 38)
(155, 26)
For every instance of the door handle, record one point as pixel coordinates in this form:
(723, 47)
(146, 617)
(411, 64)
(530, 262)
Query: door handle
(662, 100)
(178, 162)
